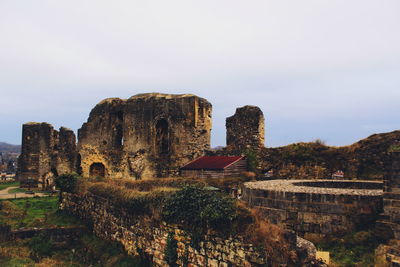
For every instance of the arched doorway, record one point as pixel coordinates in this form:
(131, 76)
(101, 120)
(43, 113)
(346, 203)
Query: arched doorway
(162, 136)
(48, 179)
(97, 169)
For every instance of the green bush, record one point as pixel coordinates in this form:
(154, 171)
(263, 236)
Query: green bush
(199, 209)
(67, 182)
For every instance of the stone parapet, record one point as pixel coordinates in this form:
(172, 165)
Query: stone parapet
(316, 208)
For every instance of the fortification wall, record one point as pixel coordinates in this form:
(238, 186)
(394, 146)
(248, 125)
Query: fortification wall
(111, 223)
(315, 210)
(139, 235)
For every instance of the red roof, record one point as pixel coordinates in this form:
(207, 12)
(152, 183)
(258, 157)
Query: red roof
(211, 163)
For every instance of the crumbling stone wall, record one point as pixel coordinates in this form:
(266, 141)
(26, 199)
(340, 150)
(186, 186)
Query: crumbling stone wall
(391, 197)
(65, 153)
(245, 129)
(389, 224)
(316, 208)
(144, 136)
(154, 134)
(45, 153)
(113, 223)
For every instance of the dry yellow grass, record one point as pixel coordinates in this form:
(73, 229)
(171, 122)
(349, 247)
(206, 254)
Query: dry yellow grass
(14, 252)
(49, 262)
(270, 236)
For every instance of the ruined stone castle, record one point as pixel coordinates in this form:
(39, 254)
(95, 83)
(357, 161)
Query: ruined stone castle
(145, 136)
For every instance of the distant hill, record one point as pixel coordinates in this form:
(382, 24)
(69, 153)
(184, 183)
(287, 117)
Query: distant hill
(5, 147)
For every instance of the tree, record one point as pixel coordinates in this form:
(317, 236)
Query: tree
(252, 160)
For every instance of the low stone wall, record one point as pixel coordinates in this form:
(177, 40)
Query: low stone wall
(139, 236)
(316, 208)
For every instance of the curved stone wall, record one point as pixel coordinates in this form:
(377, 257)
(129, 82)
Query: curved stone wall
(315, 208)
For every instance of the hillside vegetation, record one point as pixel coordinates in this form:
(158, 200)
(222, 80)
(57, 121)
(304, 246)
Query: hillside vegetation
(362, 160)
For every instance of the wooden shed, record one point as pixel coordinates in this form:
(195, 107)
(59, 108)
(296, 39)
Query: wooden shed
(215, 167)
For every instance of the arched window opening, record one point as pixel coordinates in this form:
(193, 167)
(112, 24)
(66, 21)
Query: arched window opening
(118, 141)
(78, 164)
(120, 115)
(162, 136)
(97, 169)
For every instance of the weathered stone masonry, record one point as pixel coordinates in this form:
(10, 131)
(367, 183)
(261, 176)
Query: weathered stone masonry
(245, 129)
(115, 224)
(316, 208)
(145, 136)
(389, 222)
(46, 153)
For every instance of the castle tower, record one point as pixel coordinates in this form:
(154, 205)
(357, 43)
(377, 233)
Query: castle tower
(45, 153)
(145, 136)
(245, 129)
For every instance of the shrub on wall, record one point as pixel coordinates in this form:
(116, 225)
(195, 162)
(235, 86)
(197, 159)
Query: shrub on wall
(199, 209)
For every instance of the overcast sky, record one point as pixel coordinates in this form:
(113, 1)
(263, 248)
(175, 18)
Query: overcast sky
(327, 69)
